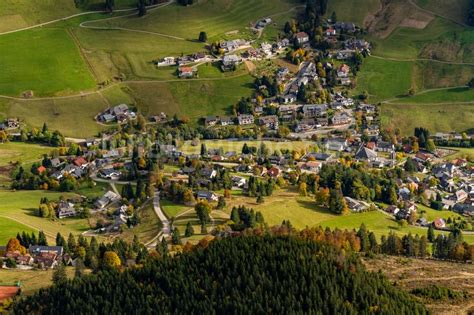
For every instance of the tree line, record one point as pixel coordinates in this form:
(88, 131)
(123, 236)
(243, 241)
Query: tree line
(247, 274)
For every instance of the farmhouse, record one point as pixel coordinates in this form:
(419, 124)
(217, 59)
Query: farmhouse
(207, 195)
(245, 119)
(229, 62)
(341, 119)
(186, 72)
(108, 198)
(270, 122)
(343, 71)
(66, 209)
(302, 37)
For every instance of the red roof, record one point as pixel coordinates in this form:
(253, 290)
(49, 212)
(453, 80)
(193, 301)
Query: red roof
(186, 69)
(301, 35)
(8, 292)
(41, 169)
(344, 68)
(80, 161)
(371, 145)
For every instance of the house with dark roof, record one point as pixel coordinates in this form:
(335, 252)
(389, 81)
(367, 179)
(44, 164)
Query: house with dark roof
(365, 154)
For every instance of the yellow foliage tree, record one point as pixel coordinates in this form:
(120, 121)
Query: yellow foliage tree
(111, 259)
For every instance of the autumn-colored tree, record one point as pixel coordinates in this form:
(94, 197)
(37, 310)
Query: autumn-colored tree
(303, 189)
(14, 245)
(322, 196)
(415, 147)
(111, 259)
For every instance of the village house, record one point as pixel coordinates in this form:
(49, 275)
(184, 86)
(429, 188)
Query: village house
(302, 38)
(270, 122)
(186, 72)
(341, 118)
(226, 121)
(232, 45)
(336, 144)
(106, 199)
(439, 223)
(245, 119)
(66, 209)
(288, 98)
(207, 195)
(314, 110)
(310, 166)
(210, 121)
(356, 205)
(365, 154)
(229, 62)
(343, 71)
(167, 61)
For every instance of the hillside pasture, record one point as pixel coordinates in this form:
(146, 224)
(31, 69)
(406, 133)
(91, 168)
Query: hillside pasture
(19, 206)
(443, 117)
(431, 75)
(112, 52)
(453, 9)
(353, 11)
(454, 95)
(384, 79)
(21, 152)
(74, 117)
(191, 98)
(30, 61)
(303, 212)
(9, 228)
(15, 14)
(216, 17)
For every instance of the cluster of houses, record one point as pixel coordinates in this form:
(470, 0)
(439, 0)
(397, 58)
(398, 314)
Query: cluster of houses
(10, 123)
(120, 114)
(41, 257)
(450, 184)
(59, 168)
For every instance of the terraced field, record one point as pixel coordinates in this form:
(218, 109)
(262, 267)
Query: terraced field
(216, 17)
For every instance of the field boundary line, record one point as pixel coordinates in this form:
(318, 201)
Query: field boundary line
(423, 59)
(82, 14)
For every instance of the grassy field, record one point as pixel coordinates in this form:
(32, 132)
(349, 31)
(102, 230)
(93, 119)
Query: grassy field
(454, 95)
(21, 152)
(440, 39)
(31, 280)
(431, 75)
(436, 117)
(302, 212)
(9, 229)
(112, 52)
(384, 79)
(72, 116)
(171, 209)
(216, 17)
(454, 9)
(352, 11)
(19, 206)
(15, 14)
(147, 229)
(30, 61)
(191, 98)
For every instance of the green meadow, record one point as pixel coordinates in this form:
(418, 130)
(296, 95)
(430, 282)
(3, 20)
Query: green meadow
(45, 61)
(9, 229)
(19, 206)
(215, 17)
(443, 117)
(21, 152)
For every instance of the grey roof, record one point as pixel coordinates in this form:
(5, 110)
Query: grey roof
(364, 153)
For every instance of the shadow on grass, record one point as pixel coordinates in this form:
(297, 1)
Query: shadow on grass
(310, 205)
